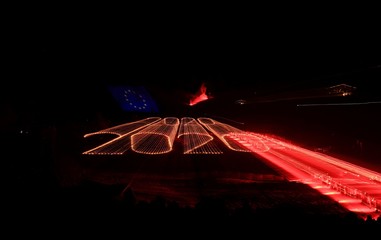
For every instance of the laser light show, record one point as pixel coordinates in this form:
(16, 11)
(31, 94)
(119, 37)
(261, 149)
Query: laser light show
(356, 188)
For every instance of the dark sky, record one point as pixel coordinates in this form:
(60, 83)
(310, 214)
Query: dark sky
(70, 54)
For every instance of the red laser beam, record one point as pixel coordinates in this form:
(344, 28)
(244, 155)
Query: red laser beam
(354, 187)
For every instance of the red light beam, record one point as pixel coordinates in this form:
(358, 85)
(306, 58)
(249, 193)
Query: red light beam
(196, 139)
(200, 96)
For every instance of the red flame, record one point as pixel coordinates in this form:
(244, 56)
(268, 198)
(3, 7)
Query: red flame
(200, 96)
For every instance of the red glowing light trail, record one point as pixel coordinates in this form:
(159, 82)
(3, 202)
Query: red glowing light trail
(123, 131)
(196, 139)
(222, 131)
(356, 188)
(157, 138)
(200, 96)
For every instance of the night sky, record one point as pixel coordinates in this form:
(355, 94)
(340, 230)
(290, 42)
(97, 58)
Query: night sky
(68, 58)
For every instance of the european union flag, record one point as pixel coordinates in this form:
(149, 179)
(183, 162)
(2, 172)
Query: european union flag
(134, 98)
